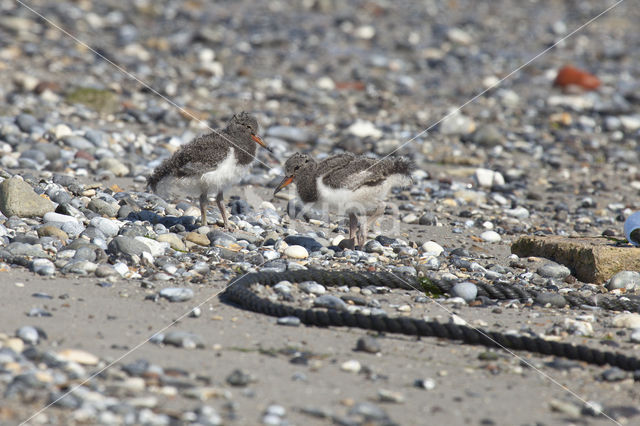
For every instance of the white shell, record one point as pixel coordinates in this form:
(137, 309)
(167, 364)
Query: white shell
(631, 224)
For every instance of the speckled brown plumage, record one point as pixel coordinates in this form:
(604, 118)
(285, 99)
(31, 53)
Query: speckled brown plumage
(353, 184)
(196, 168)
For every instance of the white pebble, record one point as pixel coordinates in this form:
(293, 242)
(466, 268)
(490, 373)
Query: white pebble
(296, 252)
(626, 321)
(490, 236)
(351, 366)
(432, 247)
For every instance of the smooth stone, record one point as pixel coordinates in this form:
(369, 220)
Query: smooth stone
(290, 321)
(465, 290)
(386, 395)
(156, 248)
(364, 129)
(373, 246)
(182, 339)
(457, 124)
(427, 384)
(368, 344)
(626, 320)
(196, 238)
(239, 378)
(629, 280)
(635, 335)
(23, 249)
(307, 242)
(176, 294)
(351, 366)
(126, 245)
(83, 267)
(52, 231)
(490, 236)
(518, 212)
(432, 248)
(312, 287)
(59, 218)
(330, 302)
(428, 219)
(487, 178)
(553, 299)
(614, 374)
(488, 136)
(43, 267)
(17, 198)
(553, 270)
(103, 208)
(114, 165)
(28, 334)
(26, 122)
(108, 227)
(296, 252)
(371, 412)
(174, 241)
(79, 356)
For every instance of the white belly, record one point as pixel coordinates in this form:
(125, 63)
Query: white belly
(362, 200)
(220, 179)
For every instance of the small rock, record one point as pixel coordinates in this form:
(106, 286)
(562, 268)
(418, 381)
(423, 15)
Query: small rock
(197, 238)
(296, 252)
(368, 344)
(240, 378)
(364, 129)
(113, 165)
(553, 299)
(174, 241)
(629, 280)
(312, 287)
(28, 334)
(351, 366)
(432, 248)
(79, 356)
(308, 243)
(176, 294)
(614, 374)
(466, 290)
(553, 270)
(428, 384)
(290, 321)
(386, 395)
(182, 339)
(330, 302)
(43, 267)
(626, 321)
(17, 198)
(428, 219)
(490, 236)
(487, 178)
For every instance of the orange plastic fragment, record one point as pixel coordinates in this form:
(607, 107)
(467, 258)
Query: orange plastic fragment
(572, 76)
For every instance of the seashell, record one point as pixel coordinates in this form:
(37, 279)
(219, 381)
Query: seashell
(632, 229)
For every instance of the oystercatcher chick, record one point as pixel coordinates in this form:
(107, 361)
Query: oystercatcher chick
(349, 184)
(210, 164)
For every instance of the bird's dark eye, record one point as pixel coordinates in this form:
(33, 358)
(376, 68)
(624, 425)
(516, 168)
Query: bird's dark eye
(296, 167)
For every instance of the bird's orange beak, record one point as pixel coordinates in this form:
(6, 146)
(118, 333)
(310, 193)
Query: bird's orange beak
(260, 142)
(286, 181)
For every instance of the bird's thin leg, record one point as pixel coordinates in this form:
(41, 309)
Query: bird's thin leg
(204, 200)
(353, 226)
(222, 210)
(374, 216)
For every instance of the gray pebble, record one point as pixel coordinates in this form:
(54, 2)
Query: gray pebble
(629, 280)
(290, 321)
(553, 270)
(28, 334)
(239, 378)
(176, 294)
(43, 267)
(554, 299)
(312, 287)
(466, 290)
(182, 339)
(330, 302)
(368, 344)
(614, 374)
